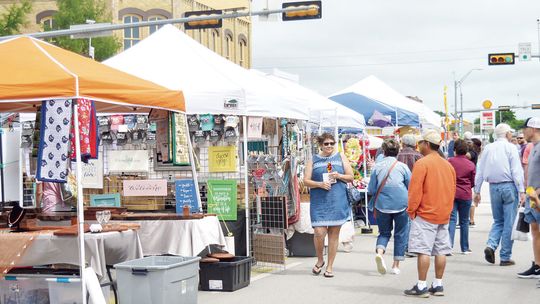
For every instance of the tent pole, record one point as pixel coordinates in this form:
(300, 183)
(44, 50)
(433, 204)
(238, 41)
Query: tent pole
(80, 204)
(22, 162)
(364, 164)
(194, 173)
(246, 181)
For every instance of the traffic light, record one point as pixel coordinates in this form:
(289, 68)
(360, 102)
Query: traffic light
(313, 10)
(203, 24)
(501, 58)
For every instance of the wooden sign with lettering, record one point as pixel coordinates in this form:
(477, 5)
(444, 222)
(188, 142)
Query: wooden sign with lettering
(146, 187)
(92, 173)
(186, 195)
(128, 160)
(222, 199)
(222, 159)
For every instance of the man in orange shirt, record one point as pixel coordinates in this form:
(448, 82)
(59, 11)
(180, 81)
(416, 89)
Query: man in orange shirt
(431, 199)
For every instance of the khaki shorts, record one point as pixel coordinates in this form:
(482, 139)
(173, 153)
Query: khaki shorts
(429, 239)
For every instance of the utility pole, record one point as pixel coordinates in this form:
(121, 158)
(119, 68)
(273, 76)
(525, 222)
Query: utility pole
(459, 124)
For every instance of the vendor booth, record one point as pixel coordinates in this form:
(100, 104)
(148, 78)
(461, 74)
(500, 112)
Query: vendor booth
(247, 132)
(67, 91)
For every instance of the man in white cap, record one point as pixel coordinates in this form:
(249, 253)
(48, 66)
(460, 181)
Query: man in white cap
(532, 213)
(500, 166)
(431, 200)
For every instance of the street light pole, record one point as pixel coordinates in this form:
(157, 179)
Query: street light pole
(456, 84)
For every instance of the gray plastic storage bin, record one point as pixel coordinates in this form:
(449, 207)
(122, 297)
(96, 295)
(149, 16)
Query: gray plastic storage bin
(158, 280)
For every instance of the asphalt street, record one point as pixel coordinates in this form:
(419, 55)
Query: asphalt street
(468, 278)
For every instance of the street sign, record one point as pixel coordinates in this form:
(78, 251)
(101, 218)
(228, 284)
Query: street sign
(525, 49)
(487, 104)
(504, 108)
(487, 120)
(91, 34)
(535, 106)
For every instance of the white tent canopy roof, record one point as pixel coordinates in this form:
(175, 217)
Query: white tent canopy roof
(376, 89)
(322, 109)
(172, 59)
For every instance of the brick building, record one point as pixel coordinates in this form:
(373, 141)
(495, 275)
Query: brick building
(232, 41)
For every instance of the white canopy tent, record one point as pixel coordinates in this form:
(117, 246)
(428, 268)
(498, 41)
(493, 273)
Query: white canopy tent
(376, 89)
(174, 60)
(321, 108)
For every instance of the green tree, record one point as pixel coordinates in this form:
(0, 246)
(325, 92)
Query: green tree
(71, 12)
(14, 19)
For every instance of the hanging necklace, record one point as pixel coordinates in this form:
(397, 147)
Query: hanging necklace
(10, 223)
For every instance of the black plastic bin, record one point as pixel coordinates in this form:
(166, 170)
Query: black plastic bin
(225, 276)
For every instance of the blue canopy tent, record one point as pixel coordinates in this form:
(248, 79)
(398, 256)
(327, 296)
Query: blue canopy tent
(367, 106)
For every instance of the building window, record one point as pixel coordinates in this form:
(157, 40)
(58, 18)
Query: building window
(228, 47)
(131, 35)
(214, 38)
(47, 23)
(243, 53)
(154, 28)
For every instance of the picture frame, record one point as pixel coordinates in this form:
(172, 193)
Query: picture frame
(105, 200)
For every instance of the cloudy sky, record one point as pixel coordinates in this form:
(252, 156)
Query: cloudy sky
(415, 46)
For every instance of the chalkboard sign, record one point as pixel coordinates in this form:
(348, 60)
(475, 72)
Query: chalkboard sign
(186, 195)
(222, 199)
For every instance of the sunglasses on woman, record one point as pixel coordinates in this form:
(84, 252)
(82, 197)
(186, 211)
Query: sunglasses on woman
(326, 144)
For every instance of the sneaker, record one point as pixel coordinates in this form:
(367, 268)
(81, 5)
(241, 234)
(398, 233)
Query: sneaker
(472, 225)
(436, 291)
(489, 255)
(508, 263)
(531, 273)
(415, 292)
(395, 271)
(466, 252)
(381, 266)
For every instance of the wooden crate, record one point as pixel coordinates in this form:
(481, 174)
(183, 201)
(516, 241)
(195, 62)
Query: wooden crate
(269, 248)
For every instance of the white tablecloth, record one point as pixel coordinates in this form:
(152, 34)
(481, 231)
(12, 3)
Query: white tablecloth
(102, 249)
(180, 237)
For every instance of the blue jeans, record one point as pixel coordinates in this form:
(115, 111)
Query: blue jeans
(386, 222)
(463, 208)
(504, 202)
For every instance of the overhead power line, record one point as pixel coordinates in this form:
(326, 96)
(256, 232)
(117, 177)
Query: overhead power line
(315, 66)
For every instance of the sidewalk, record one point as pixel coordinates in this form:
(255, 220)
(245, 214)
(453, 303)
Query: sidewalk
(468, 279)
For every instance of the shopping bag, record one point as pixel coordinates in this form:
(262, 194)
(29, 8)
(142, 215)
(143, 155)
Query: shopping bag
(518, 230)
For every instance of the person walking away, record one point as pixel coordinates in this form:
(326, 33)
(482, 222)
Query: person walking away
(431, 197)
(465, 173)
(450, 151)
(532, 209)
(408, 155)
(327, 174)
(475, 148)
(388, 187)
(500, 166)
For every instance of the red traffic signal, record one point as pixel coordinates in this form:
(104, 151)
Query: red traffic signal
(313, 10)
(501, 58)
(203, 24)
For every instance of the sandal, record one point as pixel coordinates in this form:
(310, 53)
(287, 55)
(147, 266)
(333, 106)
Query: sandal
(328, 274)
(317, 269)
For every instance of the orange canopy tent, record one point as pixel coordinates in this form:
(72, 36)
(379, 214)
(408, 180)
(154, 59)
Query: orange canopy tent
(33, 70)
